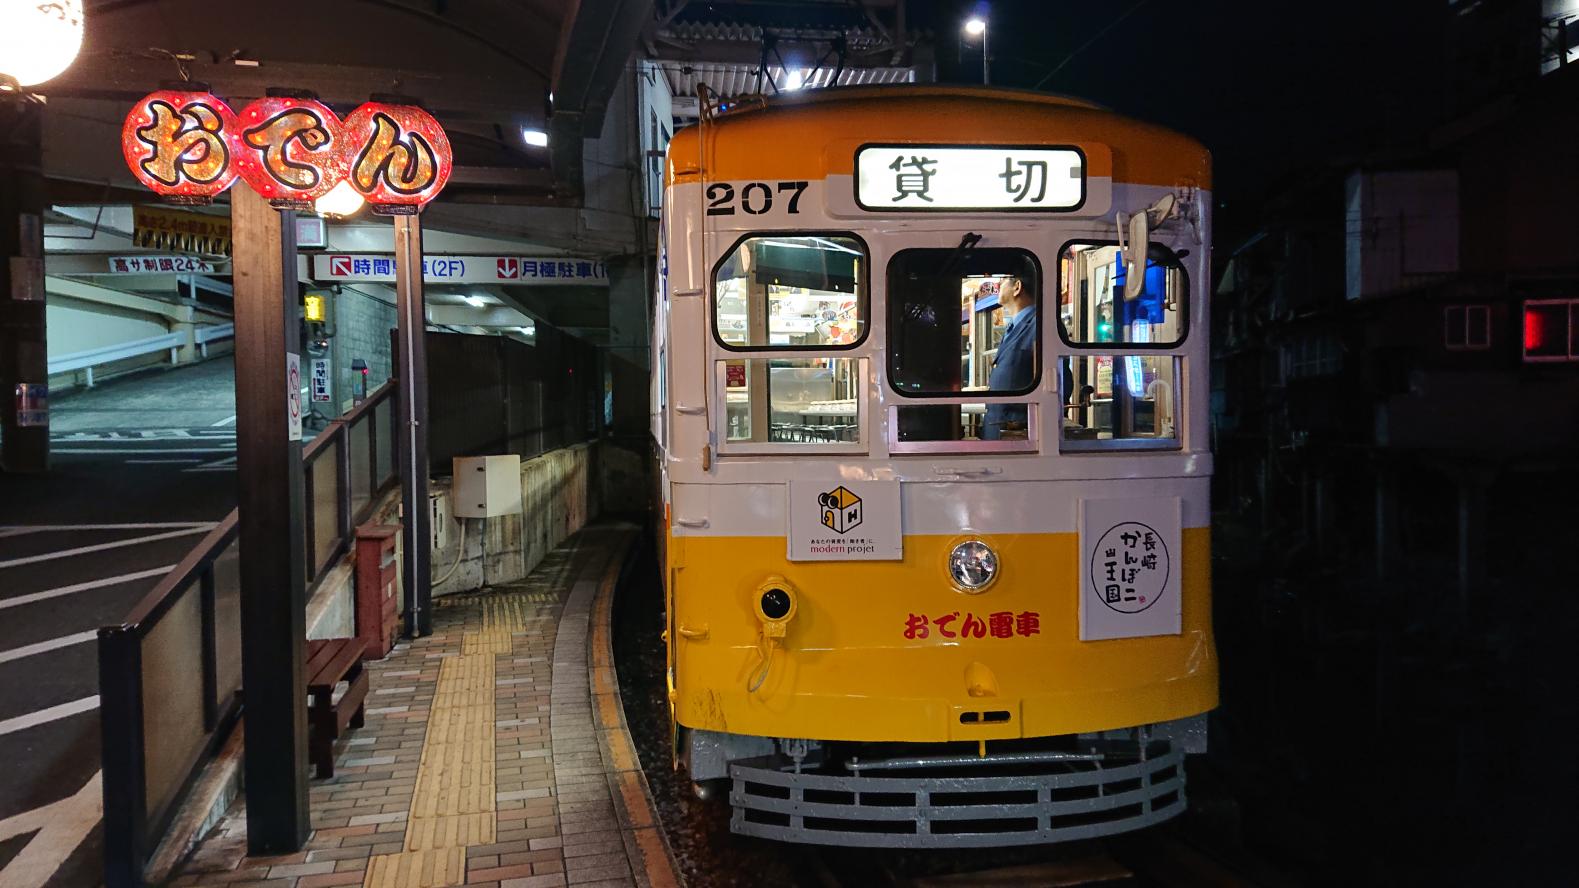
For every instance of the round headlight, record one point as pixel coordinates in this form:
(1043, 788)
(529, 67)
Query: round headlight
(973, 565)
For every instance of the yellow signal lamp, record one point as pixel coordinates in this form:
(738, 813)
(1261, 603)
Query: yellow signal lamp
(315, 307)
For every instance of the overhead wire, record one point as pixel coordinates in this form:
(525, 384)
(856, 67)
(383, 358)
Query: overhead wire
(1087, 45)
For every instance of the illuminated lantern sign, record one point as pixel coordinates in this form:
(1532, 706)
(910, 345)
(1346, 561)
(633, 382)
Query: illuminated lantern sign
(397, 156)
(292, 149)
(178, 144)
(287, 150)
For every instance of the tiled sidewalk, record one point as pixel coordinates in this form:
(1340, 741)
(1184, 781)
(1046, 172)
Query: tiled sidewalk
(480, 762)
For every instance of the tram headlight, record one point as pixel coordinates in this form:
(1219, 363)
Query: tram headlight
(973, 565)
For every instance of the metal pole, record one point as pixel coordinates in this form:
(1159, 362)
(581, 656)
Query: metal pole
(416, 536)
(984, 75)
(24, 356)
(270, 498)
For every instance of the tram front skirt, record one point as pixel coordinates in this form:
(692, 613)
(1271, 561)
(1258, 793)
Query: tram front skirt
(959, 801)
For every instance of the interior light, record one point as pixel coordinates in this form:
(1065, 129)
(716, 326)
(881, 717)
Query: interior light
(341, 201)
(794, 80)
(975, 26)
(535, 137)
(476, 301)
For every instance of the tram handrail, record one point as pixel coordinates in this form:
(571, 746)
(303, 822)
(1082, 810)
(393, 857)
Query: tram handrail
(157, 726)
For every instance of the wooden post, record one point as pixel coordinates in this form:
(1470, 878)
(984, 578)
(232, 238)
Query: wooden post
(269, 496)
(24, 362)
(411, 340)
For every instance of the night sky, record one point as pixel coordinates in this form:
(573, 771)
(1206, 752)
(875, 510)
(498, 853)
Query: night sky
(1273, 89)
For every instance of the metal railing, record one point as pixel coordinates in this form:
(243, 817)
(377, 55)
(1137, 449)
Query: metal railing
(172, 342)
(170, 674)
(345, 468)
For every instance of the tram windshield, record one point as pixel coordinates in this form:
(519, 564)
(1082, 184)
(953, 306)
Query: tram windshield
(791, 292)
(1110, 399)
(964, 322)
(1096, 305)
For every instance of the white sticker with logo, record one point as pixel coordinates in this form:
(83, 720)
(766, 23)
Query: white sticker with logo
(845, 521)
(1130, 566)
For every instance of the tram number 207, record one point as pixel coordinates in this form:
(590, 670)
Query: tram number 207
(755, 198)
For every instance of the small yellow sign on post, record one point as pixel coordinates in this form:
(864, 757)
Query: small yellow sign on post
(313, 307)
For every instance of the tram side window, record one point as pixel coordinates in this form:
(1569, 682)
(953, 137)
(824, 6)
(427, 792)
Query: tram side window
(964, 322)
(1129, 401)
(1097, 305)
(792, 400)
(791, 292)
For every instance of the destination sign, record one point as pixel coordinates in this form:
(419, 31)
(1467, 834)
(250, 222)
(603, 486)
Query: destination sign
(933, 178)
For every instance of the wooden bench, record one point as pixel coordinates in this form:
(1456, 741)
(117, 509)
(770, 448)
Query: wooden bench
(329, 662)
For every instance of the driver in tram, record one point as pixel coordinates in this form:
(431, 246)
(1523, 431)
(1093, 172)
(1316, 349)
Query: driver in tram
(1014, 367)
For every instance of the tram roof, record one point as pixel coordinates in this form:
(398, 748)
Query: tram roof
(813, 134)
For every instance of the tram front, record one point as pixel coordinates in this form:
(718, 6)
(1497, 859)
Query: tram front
(931, 400)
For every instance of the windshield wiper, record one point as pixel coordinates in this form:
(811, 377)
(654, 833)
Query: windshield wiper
(970, 240)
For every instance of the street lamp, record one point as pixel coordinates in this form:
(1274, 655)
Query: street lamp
(976, 26)
(38, 40)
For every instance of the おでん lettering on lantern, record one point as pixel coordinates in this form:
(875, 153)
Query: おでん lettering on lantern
(287, 149)
(188, 146)
(178, 143)
(397, 156)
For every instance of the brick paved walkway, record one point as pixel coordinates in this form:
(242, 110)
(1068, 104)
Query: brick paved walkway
(480, 762)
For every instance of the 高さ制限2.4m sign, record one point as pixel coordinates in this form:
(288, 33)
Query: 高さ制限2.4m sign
(516, 270)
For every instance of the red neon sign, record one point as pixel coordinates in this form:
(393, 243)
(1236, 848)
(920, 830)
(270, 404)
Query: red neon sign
(189, 146)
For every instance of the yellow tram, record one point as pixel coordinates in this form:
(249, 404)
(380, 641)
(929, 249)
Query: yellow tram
(930, 399)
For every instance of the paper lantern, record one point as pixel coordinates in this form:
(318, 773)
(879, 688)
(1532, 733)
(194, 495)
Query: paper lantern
(287, 149)
(178, 143)
(397, 156)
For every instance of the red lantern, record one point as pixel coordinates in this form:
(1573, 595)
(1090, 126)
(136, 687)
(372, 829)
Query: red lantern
(397, 156)
(178, 143)
(287, 149)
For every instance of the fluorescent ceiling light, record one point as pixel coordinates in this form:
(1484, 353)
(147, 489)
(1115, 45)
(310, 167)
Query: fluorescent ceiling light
(535, 137)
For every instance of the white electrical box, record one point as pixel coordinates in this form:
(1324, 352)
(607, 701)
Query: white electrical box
(486, 486)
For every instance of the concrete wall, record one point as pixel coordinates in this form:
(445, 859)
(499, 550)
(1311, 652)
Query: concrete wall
(78, 326)
(558, 499)
(362, 322)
